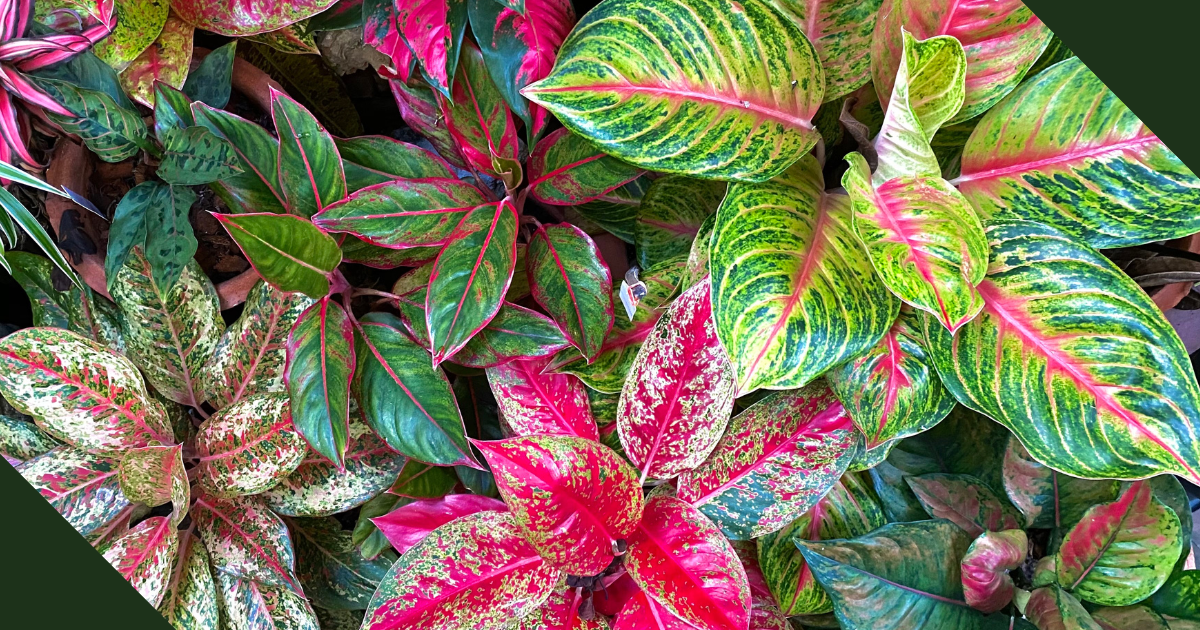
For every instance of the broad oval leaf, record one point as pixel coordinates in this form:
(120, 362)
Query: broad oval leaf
(1048, 498)
(670, 216)
(572, 498)
(1002, 40)
(248, 603)
(740, 108)
(1120, 552)
(1062, 149)
(893, 391)
(287, 251)
(402, 213)
(1179, 597)
(679, 394)
(406, 400)
(82, 487)
(334, 573)
(1052, 608)
(248, 18)
(570, 279)
(515, 333)
(1095, 381)
(408, 525)
(165, 60)
(536, 403)
(480, 124)
(320, 367)
(111, 131)
(566, 169)
(476, 570)
(840, 30)
(190, 599)
(195, 156)
(244, 538)
(987, 586)
(470, 277)
(965, 501)
(154, 475)
(138, 23)
(144, 557)
(256, 187)
(79, 392)
(249, 446)
(681, 560)
(310, 169)
(775, 461)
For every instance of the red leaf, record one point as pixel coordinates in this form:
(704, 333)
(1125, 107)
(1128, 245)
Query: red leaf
(619, 589)
(433, 30)
(643, 613)
(561, 612)
(987, 586)
(533, 403)
(408, 525)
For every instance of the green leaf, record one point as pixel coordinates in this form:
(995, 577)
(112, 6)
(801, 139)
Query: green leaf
(965, 501)
(138, 24)
(112, 132)
(631, 79)
(320, 365)
(840, 30)
(128, 228)
(406, 400)
(1096, 384)
(83, 488)
(1052, 608)
(73, 309)
(566, 169)
(288, 251)
(370, 160)
(570, 279)
(1048, 498)
(1179, 596)
(480, 123)
(22, 217)
(515, 332)
(171, 332)
(332, 571)
(256, 187)
(793, 291)
(1130, 618)
(403, 213)
(211, 82)
(310, 169)
(190, 600)
(294, 39)
(670, 217)
(903, 576)
(170, 241)
(196, 156)
(172, 110)
(249, 446)
(1062, 149)
(165, 61)
(355, 250)
(617, 210)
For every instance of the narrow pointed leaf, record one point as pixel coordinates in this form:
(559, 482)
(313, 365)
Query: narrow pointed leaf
(190, 599)
(775, 461)
(840, 30)
(533, 402)
(570, 279)
(320, 367)
(420, 110)
(1064, 150)
(165, 60)
(195, 156)
(403, 212)
(310, 169)
(965, 501)
(410, 524)
(566, 169)
(170, 241)
(1118, 380)
(481, 125)
(670, 217)
(418, 480)
(794, 293)
(1051, 608)
(371, 160)
(721, 114)
(245, 539)
(572, 498)
(172, 110)
(679, 394)
(470, 277)
(154, 475)
(249, 18)
(1048, 498)
(411, 291)
(434, 587)
(83, 488)
(256, 187)
(433, 31)
(144, 557)
(287, 251)
(987, 586)
(515, 333)
(249, 446)
(74, 309)
(334, 574)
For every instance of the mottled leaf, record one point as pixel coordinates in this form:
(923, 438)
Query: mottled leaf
(670, 217)
(165, 60)
(515, 333)
(211, 82)
(334, 574)
(1047, 497)
(569, 278)
(320, 367)
(562, 612)
(1051, 608)
(190, 599)
(287, 251)
(138, 23)
(249, 18)
(256, 187)
(144, 557)
(840, 30)
(195, 156)
(1180, 596)
(75, 309)
(566, 169)
(402, 213)
(536, 403)
(154, 475)
(248, 603)
(21, 440)
(987, 586)
(245, 539)
(112, 132)
(965, 501)
(83, 488)
(249, 446)
(640, 612)
(410, 524)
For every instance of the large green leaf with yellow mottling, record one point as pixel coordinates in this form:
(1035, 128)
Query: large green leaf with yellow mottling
(83, 488)
(139, 23)
(1062, 149)
(1073, 357)
(670, 217)
(841, 31)
(793, 290)
(249, 446)
(190, 600)
(171, 332)
(632, 78)
(333, 573)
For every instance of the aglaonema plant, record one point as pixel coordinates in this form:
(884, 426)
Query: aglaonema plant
(874, 374)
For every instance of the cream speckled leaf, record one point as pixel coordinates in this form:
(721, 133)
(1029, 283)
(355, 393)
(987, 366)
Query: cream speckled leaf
(841, 31)
(244, 538)
(190, 600)
(534, 403)
(171, 332)
(249, 446)
(248, 604)
(154, 475)
(144, 557)
(21, 440)
(83, 488)
(79, 392)
(250, 357)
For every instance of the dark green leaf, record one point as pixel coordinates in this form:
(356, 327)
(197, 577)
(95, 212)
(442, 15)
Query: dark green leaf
(211, 82)
(196, 156)
(286, 250)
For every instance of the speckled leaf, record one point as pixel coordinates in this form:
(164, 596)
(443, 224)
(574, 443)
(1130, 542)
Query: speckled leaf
(1002, 40)
(319, 488)
(361, 252)
(165, 60)
(904, 576)
(245, 539)
(476, 570)
(536, 403)
(1048, 498)
(470, 277)
(893, 391)
(617, 210)
(211, 82)
(987, 586)
(111, 131)
(21, 440)
(965, 501)
(154, 475)
(251, 355)
(642, 613)
(420, 110)
(1131, 618)
(1179, 597)
(320, 366)
(190, 599)
(408, 525)
(775, 461)
(740, 108)
(249, 446)
(562, 612)
(572, 498)
(334, 574)
(74, 309)
(403, 213)
(247, 604)
(570, 279)
(679, 394)
(171, 332)
(683, 563)
(1051, 608)
(923, 239)
(406, 400)
(1120, 552)
(480, 124)
(371, 160)
(1063, 150)
(196, 156)
(79, 392)
(256, 187)
(566, 169)
(83, 488)
(247, 18)
(287, 251)
(670, 216)
(794, 293)
(144, 557)
(294, 39)
(1110, 394)
(840, 30)
(848, 510)
(515, 333)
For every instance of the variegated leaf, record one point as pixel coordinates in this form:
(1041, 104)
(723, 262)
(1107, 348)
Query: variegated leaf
(190, 599)
(256, 187)
(248, 18)
(144, 557)
(245, 539)
(286, 250)
(840, 30)
(412, 291)
(247, 604)
(371, 160)
(640, 612)
(83, 488)
(987, 586)
(310, 169)
(562, 612)
(617, 210)
(570, 279)
(515, 333)
(138, 23)
(566, 169)
(154, 475)
(670, 217)
(249, 446)
(76, 309)
(481, 125)
(403, 213)
(1048, 498)
(775, 461)
(1133, 618)
(334, 574)
(1051, 608)
(320, 367)
(420, 110)
(965, 501)
(409, 524)
(165, 60)
(536, 403)
(1179, 597)
(21, 440)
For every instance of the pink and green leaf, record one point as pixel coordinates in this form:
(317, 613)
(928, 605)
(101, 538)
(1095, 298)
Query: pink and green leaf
(403, 213)
(533, 402)
(247, 18)
(256, 187)
(249, 446)
(82, 487)
(1052, 608)
(562, 612)
(144, 557)
(371, 160)
(190, 599)
(165, 60)
(309, 166)
(320, 367)
(480, 124)
(566, 169)
(987, 586)
(570, 279)
(1048, 498)
(515, 333)
(244, 538)
(840, 30)
(640, 612)
(670, 216)
(408, 525)
(965, 501)
(433, 31)
(247, 602)
(420, 110)
(154, 475)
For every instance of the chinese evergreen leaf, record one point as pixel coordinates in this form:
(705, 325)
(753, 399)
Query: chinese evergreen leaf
(1052, 608)
(433, 31)
(482, 419)
(334, 574)
(361, 252)
(421, 111)
(1096, 383)
(401, 213)
(77, 309)
(423, 481)
(249, 446)
(840, 30)
(480, 124)
(82, 487)
(196, 156)
(617, 210)
(249, 19)
(21, 440)
(112, 132)
(965, 501)
(287, 251)
(154, 475)
(248, 603)
(1179, 597)
(533, 402)
(172, 110)
(775, 461)
(310, 169)
(566, 169)
(320, 367)
(987, 587)
(476, 570)
(211, 82)
(144, 557)
(370, 160)
(190, 599)
(562, 611)
(170, 242)
(794, 293)
(1048, 498)
(412, 291)
(670, 217)
(256, 187)
(572, 498)
(245, 539)
(1131, 617)
(1063, 150)
(515, 333)
(164, 61)
(570, 279)
(642, 613)
(630, 78)
(409, 524)
(138, 23)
